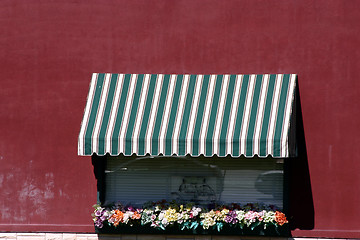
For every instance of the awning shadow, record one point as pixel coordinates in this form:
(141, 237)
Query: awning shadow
(300, 199)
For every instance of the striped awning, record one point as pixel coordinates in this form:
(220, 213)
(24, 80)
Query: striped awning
(188, 114)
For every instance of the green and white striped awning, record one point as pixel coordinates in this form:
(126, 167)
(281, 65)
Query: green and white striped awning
(188, 114)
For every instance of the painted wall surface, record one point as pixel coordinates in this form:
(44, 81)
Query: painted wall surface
(49, 49)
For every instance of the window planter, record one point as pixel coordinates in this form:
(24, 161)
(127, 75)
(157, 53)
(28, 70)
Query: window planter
(173, 218)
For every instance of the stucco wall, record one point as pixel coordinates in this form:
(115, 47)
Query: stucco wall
(50, 48)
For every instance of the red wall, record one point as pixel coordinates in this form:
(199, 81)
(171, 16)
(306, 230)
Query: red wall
(48, 50)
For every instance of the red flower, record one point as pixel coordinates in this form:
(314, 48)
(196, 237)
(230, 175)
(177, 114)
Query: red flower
(136, 215)
(117, 217)
(280, 218)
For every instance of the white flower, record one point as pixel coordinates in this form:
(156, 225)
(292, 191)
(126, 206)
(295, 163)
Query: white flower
(148, 211)
(240, 215)
(195, 211)
(164, 222)
(107, 214)
(269, 216)
(126, 217)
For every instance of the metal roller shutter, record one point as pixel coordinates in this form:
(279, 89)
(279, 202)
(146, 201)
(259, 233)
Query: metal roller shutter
(202, 180)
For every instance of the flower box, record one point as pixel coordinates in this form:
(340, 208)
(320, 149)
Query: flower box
(173, 218)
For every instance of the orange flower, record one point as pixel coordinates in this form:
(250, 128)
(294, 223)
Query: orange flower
(117, 217)
(136, 215)
(280, 218)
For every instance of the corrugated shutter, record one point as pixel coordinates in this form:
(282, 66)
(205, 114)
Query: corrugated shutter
(136, 180)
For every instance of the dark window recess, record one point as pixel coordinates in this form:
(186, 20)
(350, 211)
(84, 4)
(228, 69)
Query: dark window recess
(217, 180)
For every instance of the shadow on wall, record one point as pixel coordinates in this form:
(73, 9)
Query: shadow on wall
(300, 199)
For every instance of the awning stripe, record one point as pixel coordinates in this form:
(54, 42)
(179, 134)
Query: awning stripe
(165, 117)
(188, 114)
(200, 115)
(120, 112)
(226, 115)
(159, 118)
(123, 121)
(119, 80)
(94, 111)
(288, 108)
(194, 113)
(181, 114)
(274, 110)
(106, 114)
(140, 117)
(233, 114)
(206, 116)
(101, 118)
(240, 115)
(146, 116)
(173, 113)
(260, 113)
(266, 117)
(280, 114)
(213, 112)
(147, 127)
(250, 128)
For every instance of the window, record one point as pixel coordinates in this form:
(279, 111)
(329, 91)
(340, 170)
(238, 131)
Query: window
(201, 180)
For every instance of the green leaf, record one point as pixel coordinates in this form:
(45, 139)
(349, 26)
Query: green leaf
(194, 225)
(219, 226)
(241, 225)
(254, 225)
